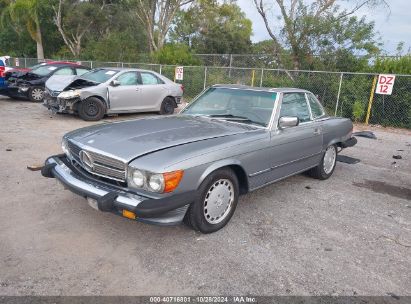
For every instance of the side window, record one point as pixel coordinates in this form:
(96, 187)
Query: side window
(128, 78)
(148, 78)
(316, 108)
(80, 71)
(64, 71)
(295, 104)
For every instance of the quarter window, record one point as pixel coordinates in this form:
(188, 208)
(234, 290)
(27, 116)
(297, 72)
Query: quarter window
(295, 104)
(148, 78)
(316, 108)
(129, 78)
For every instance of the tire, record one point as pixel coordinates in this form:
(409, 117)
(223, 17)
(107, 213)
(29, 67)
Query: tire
(327, 165)
(167, 106)
(220, 191)
(91, 109)
(36, 94)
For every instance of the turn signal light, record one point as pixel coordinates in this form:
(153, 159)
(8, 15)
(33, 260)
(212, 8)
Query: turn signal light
(129, 214)
(172, 179)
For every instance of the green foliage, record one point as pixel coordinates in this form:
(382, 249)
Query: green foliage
(400, 65)
(358, 110)
(211, 27)
(178, 54)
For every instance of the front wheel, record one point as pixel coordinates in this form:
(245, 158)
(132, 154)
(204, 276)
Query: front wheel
(91, 109)
(216, 203)
(327, 165)
(36, 94)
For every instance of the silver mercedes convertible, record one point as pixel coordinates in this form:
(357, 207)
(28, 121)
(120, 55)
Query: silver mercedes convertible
(193, 166)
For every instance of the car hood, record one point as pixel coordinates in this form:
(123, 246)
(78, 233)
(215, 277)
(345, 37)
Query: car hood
(59, 82)
(130, 139)
(79, 84)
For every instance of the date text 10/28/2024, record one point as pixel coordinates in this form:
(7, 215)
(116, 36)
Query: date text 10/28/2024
(203, 299)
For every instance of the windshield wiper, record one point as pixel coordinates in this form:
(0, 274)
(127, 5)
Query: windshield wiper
(231, 117)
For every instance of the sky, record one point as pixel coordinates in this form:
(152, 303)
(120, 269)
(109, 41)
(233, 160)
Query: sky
(393, 28)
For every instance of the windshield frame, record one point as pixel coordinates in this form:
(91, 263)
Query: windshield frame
(270, 121)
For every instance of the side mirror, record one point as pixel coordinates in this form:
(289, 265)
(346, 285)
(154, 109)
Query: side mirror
(115, 83)
(288, 122)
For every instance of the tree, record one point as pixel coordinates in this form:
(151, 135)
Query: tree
(80, 17)
(211, 27)
(26, 12)
(157, 16)
(310, 26)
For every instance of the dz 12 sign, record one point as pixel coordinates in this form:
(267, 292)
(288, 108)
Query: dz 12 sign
(385, 84)
(179, 73)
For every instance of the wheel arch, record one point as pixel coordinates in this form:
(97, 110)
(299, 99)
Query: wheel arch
(235, 166)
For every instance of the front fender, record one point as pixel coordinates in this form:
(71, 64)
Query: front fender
(217, 165)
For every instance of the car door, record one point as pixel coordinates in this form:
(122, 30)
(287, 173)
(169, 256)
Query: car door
(125, 94)
(153, 91)
(297, 148)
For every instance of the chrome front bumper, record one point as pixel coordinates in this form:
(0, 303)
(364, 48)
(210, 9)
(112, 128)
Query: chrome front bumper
(163, 211)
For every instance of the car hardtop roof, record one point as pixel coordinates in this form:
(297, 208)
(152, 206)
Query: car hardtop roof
(246, 87)
(126, 69)
(59, 63)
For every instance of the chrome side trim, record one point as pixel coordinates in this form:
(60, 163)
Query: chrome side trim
(284, 164)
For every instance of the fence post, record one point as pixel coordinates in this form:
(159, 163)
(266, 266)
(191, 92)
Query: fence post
(374, 82)
(160, 69)
(261, 79)
(205, 78)
(338, 95)
(231, 62)
(25, 62)
(91, 64)
(252, 77)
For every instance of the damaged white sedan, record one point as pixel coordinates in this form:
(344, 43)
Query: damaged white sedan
(112, 91)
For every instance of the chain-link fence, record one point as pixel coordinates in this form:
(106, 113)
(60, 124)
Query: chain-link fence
(343, 94)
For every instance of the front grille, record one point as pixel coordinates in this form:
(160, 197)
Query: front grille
(104, 166)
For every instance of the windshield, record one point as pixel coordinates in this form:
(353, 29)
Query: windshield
(242, 105)
(43, 70)
(99, 75)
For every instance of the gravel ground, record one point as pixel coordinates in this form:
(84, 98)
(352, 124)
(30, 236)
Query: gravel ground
(349, 235)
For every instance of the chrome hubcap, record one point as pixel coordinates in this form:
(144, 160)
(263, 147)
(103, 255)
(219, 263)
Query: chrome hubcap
(218, 201)
(37, 94)
(329, 159)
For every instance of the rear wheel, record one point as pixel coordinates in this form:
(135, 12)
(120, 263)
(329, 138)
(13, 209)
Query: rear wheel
(167, 106)
(36, 94)
(91, 109)
(327, 165)
(216, 203)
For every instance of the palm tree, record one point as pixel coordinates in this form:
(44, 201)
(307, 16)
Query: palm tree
(26, 13)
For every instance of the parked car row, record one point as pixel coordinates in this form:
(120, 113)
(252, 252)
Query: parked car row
(66, 87)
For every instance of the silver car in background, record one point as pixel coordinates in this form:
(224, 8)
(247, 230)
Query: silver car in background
(112, 91)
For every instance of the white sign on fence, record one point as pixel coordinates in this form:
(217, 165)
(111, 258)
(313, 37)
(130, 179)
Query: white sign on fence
(179, 73)
(17, 62)
(385, 84)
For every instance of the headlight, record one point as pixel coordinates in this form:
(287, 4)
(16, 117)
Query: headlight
(69, 94)
(64, 146)
(155, 182)
(138, 178)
